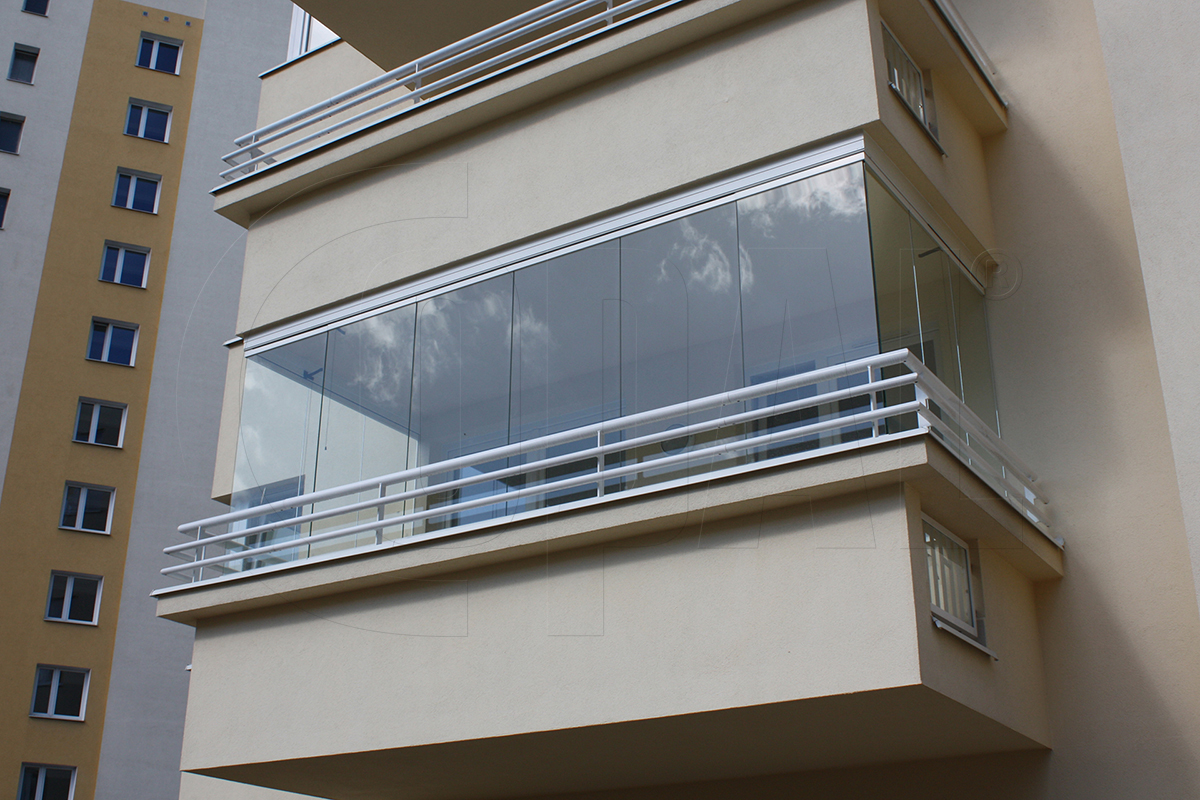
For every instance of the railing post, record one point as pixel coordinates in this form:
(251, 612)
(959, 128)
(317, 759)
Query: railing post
(198, 573)
(379, 513)
(923, 399)
(608, 18)
(600, 464)
(874, 402)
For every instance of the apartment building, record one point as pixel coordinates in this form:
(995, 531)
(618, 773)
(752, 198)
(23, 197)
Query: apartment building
(117, 287)
(708, 398)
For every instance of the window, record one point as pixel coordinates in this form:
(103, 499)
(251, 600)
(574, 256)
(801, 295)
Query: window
(124, 263)
(87, 508)
(950, 582)
(73, 598)
(3, 206)
(908, 82)
(114, 342)
(60, 693)
(36, 7)
(98, 422)
(40, 782)
(148, 120)
(159, 53)
(10, 132)
(24, 59)
(137, 190)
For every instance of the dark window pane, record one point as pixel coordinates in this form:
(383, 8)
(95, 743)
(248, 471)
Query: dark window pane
(156, 125)
(22, 66)
(108, 272)
(144, 193)
(120, 346)
(83, 599)
(121, 197)
(3, 207)
(95, 510)
(10, 134)
(36, 6)
(57, 785)
(83, 426)
(108, 428)
(133, 125)
(41, 691)
(58, 595)
(168, 55)
(71, 507)
(69, 700)
(29, 782)
(145, 53)
(96, 347)
(133, 269)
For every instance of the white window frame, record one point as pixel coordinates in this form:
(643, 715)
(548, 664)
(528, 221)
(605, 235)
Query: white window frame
(71, 578)
(28, 49)
(134, 176)
(122, 249)
(49, 714)
(20, 120)
(158, 42)
(147, 105)
(38, 793)
(969, 627)
(111, 323)
(95, 421)
(84, 488)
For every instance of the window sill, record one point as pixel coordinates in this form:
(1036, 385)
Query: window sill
(953, 631)
(119, 283)
(85, 530)
(139, 210)
(25, 83)
(100, 444)
(145, 139)
(57, 717)
(102, 361)
(83, 622)
(159, 71)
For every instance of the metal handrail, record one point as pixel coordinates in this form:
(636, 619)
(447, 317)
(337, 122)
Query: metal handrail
(936, 408)
(498, 37)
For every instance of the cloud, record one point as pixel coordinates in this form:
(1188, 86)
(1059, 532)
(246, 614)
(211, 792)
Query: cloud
(838, 194)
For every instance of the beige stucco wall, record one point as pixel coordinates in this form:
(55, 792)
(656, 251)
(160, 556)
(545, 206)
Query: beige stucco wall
(317, 76)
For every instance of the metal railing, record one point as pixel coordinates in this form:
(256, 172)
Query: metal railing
(857, 404)
(515, 42)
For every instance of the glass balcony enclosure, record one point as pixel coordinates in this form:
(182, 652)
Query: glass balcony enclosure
(810, 274)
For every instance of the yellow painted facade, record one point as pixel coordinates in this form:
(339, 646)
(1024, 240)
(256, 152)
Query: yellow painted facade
(43, 456)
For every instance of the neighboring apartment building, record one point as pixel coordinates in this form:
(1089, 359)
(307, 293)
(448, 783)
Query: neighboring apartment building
(618, 395)
(117, 286)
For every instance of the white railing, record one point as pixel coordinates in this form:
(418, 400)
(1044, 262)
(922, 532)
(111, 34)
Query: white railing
(533, 35)
(877, 399)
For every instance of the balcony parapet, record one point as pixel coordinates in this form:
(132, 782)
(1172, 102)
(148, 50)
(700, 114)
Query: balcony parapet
(886, 398)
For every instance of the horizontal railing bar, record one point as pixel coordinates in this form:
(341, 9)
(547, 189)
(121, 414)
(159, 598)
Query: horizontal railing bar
(846, 369)
(566, 483)
(566, 458)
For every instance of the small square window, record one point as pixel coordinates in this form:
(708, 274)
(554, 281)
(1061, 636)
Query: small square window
(38, 7)
(24, 60)
(125, 263)
(60, 693)
(159, 53)
(3, 206)
(950, 584)
(10, 132)
(74, 598)
(137, 190)
(98, 422)
(113, 342)
(148, 120)
(87, 508)
(46, 782)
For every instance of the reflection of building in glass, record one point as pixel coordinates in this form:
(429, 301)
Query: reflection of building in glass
(617, 402)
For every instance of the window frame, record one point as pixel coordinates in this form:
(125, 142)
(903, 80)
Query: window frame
(20, 121)
(122, 248)
(105, 352)
(135, 175)
(158, 41)
(95, 422)
(148, 105)
(926, 115)
(71, 578)
(51, 702)
(83, 489)
(28, 50)
(5, 196)
(25, 7)
(971, 628)
(38, 792)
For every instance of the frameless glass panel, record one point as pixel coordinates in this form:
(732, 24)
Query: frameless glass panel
(808, 296)
(680, 327)
(365, 425)
(461, 387)
(974, 355)
(938, 348)
(566, 361)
